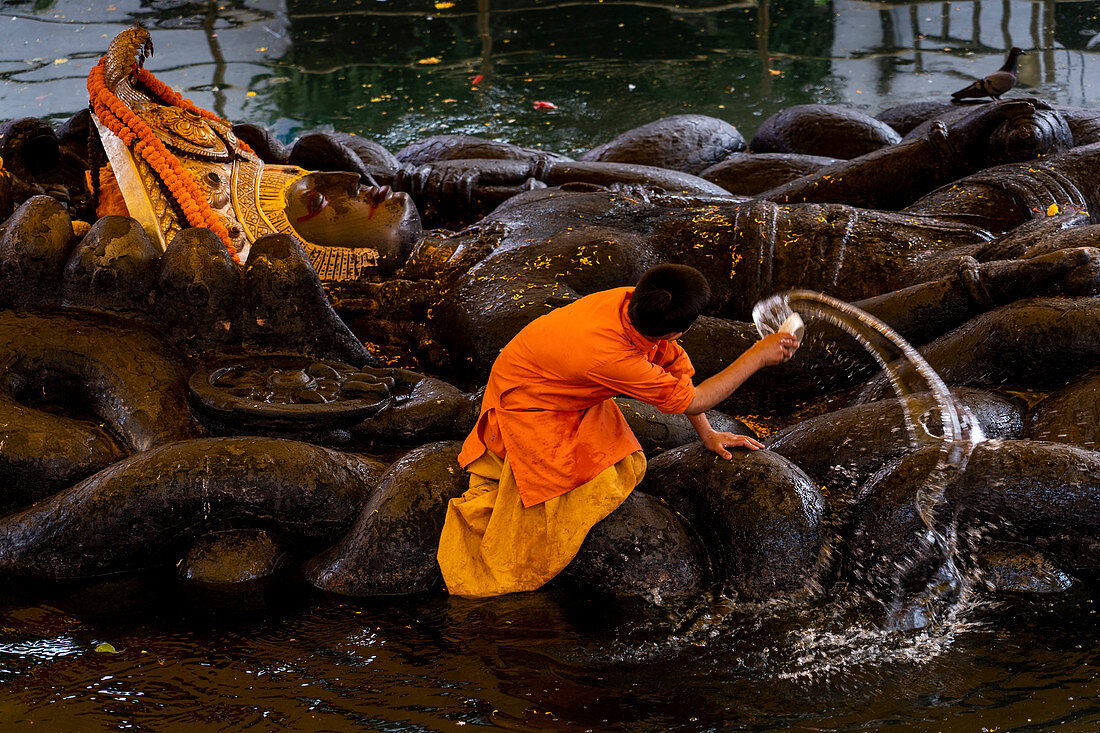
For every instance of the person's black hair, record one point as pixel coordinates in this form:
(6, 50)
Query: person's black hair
(668, 299)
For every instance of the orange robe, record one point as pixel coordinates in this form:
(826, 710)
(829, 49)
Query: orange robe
(548, 404)
(491, 544)
(551, 454)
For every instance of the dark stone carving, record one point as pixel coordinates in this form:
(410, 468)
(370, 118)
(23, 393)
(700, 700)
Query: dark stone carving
(971, 237)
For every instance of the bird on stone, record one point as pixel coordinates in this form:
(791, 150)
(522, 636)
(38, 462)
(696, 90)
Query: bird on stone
(997, 83)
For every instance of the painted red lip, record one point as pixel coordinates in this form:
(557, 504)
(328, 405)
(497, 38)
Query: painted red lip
(378, 195)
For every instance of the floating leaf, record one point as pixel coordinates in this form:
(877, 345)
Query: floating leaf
(106, 648)
(429, 60)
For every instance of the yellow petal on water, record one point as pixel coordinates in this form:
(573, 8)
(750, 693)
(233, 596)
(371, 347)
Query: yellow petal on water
(429, 60)
(250, 94)
(106, 648)
(61, 61)
(444, 6)
(1052, 210)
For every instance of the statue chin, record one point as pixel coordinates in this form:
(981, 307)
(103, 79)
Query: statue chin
(333, 210)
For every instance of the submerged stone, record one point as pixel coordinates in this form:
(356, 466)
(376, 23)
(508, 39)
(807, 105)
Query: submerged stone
(760, 517)
(1008, 566)
(642, 549)
(233, 557)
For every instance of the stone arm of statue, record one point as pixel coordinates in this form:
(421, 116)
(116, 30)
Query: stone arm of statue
(925, 311)
(457, 193)
(421, 408)
(773, 349)
(893, 177)
(888, 178)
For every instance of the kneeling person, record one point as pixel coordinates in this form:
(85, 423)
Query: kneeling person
(551, 454)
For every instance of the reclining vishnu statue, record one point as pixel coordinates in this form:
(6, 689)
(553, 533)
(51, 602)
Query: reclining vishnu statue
(173, 165)
(224, 316)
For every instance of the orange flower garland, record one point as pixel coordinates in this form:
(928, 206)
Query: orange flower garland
(136, 134)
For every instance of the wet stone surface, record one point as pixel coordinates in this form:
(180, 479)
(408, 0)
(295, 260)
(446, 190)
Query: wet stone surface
(289, 392)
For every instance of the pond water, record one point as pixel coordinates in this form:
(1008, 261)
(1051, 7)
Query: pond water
(400, 70)
(544, 661)
(397, 71)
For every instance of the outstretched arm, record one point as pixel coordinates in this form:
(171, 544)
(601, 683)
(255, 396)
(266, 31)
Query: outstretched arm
(772, 349)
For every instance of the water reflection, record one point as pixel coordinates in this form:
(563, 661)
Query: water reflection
(399, 70)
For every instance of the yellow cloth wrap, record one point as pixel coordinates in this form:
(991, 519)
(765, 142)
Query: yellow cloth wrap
(492, 545)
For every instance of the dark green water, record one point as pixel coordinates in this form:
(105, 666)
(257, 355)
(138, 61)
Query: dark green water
(542, 661)
(399, 71)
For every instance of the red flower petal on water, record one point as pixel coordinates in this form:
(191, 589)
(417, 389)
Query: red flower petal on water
(545, 105)
(477, 80)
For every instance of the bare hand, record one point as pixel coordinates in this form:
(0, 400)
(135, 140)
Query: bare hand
(775, 348)
(718, 442)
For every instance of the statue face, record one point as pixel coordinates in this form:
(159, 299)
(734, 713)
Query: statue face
(332, 209)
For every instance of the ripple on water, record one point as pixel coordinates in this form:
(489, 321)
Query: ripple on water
(550, 661)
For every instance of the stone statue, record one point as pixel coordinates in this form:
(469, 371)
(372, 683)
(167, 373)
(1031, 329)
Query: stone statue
(216, 399)
(177, 166)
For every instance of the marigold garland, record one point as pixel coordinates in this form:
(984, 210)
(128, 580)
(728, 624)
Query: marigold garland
(136, 134)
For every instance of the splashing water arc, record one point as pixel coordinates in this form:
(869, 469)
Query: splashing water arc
(916, 384)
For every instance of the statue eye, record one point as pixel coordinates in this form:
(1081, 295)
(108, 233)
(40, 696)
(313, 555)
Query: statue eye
(315, 204)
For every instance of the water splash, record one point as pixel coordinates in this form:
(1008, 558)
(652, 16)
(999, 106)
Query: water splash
(840, 651)
(829, 644)
(945, 422)
(933, 417)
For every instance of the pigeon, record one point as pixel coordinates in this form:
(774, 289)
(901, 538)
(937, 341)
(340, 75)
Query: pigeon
(997, 83)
